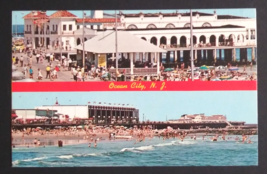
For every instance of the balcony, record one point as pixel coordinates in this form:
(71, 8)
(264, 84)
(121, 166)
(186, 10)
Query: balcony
(27, 32)
(54, 32)
(36, 32)
(67, 32)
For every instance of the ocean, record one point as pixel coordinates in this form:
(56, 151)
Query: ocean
(154, 152)
(18, 29)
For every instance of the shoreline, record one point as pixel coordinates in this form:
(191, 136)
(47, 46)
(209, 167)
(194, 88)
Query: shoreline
(52, 139)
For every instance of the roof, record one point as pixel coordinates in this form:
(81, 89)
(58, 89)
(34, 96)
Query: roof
(97, 20)
(87, 31)
(62, 13)
(187, 28)
(230, 17)
(165, 14)
(35, 14)
(104, 42)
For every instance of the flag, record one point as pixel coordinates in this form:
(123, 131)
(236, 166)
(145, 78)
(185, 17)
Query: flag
(119, 104)
(99, 102)
(122, 104)
(94, 102)
(89, 102)
(109, 103)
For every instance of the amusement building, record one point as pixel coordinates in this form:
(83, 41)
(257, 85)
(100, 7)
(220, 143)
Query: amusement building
(217, 39)
(96, 113)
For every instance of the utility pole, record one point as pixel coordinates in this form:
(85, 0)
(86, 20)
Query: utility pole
(191, 37)
(60, 36)
(116, 44)
(83, 40)
(143, 117)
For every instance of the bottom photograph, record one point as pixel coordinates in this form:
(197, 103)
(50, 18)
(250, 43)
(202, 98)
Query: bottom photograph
(92, 129)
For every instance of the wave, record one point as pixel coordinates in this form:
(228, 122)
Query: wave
(35, 159)
(84, 155)
(137, 149)
(165, 144)
(16, 162)
(65, 156)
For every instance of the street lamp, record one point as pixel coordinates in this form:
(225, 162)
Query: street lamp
(83, 39)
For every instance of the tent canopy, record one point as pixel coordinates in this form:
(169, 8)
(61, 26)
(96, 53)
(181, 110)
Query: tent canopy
(105, 41)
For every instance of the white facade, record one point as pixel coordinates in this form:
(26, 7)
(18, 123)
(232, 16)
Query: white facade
(71, 111)
(164, 30)
(25, 114)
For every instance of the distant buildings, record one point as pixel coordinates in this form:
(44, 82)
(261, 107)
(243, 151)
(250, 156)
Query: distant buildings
(198, 118)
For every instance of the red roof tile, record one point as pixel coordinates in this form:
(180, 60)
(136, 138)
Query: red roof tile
(97, 20)
(38, 14)
(61, 13)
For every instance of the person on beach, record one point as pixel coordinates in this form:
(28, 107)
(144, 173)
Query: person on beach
(38, 143)
(31, 73)
(25, 70)
(48, 69)
(89, 145)
(35, 141)
(21, 61)
(40, 76)
(74, 73)
(17, 60)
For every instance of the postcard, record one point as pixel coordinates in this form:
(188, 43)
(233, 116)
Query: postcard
(95, 88)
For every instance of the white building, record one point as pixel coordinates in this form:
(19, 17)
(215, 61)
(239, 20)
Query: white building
(215, 37)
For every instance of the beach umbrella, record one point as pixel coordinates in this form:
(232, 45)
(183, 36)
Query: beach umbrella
(14, 116)
(233, 69)
(168, 69)
(215, 80)
(38, 55)
(204, 67)
(225, 77)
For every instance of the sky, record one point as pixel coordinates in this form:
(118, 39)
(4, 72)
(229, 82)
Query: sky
(248, 12)
(155, 106)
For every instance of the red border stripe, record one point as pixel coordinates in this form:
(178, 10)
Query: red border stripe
(134, 86)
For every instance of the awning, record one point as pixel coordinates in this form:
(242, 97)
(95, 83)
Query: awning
(104, 42)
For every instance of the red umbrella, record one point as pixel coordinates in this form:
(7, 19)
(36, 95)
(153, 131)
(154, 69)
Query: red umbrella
(14, 116)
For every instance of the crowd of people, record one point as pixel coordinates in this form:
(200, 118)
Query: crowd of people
(93, 134)
(210, 74)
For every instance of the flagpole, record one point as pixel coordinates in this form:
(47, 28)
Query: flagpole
(83, 40)
(60, 36)
(191, 37)
(116, 44)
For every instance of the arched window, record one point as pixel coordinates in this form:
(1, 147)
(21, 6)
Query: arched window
(206, 24)
(132, 26)
(170, 26)
(187, 25)
(78, 41)
(151, 26)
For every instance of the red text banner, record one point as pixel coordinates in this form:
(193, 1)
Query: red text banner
(134, 86)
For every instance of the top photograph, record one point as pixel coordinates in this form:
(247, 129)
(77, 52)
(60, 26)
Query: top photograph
(134, 45)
